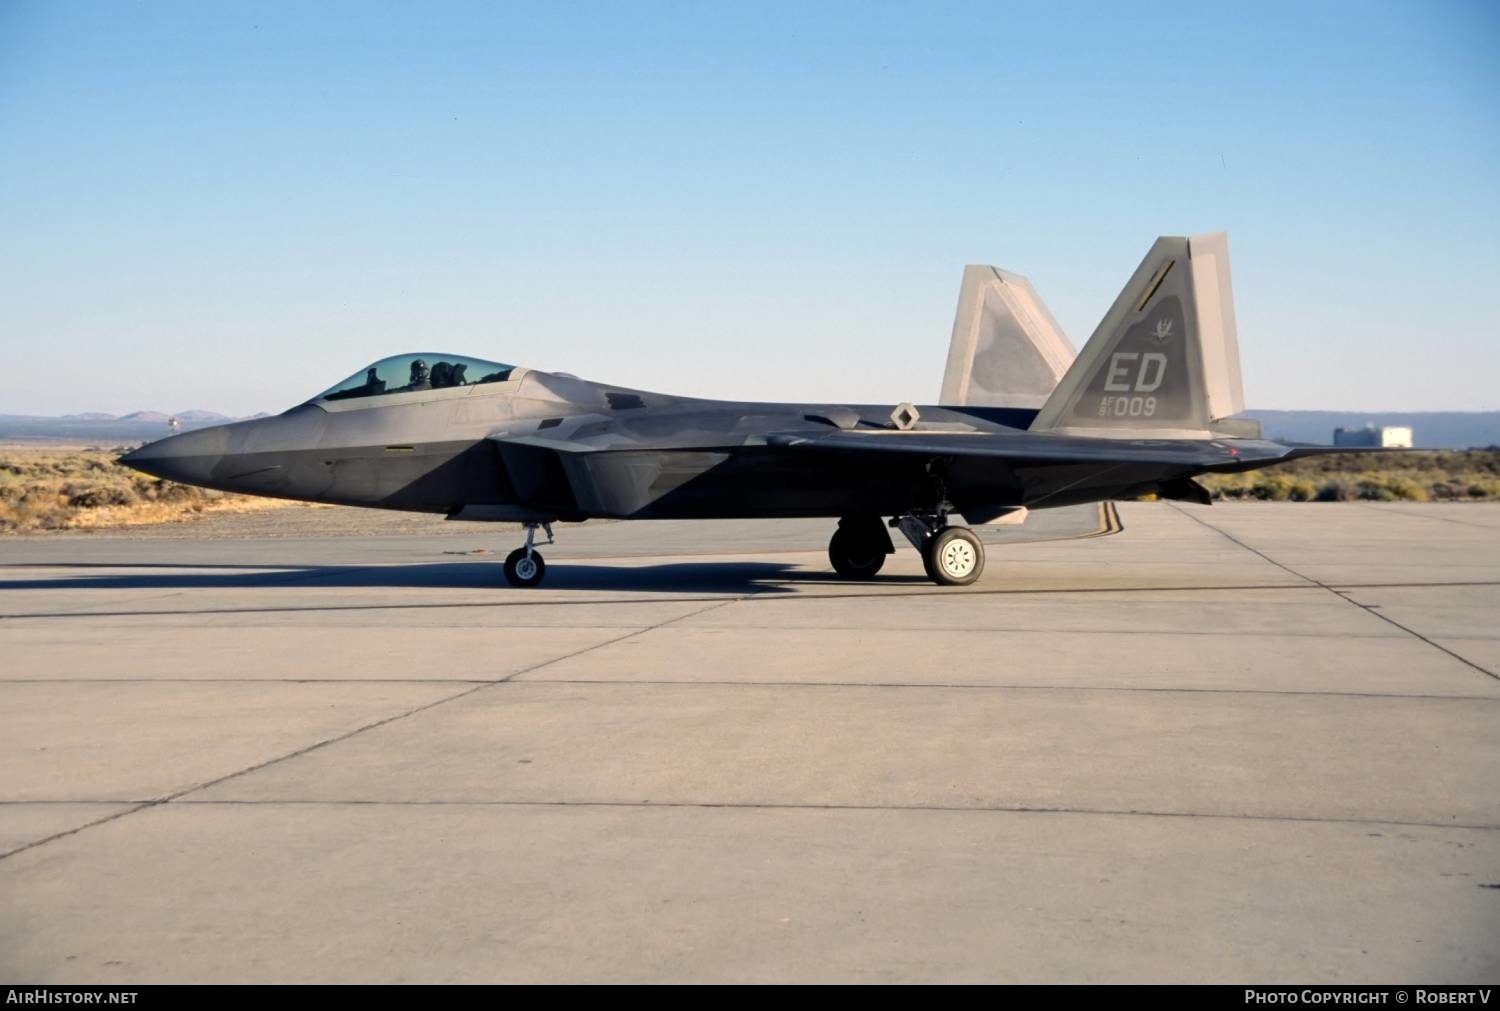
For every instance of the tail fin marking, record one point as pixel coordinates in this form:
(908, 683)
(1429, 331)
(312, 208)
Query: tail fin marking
(1165, 357)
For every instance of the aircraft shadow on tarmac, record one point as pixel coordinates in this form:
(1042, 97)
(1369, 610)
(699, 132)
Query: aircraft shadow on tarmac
(672, 577)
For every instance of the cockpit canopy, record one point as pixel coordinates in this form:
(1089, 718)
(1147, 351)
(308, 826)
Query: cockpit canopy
(405, 373)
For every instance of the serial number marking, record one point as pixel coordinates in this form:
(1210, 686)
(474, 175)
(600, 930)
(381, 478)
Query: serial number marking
(1127, 407)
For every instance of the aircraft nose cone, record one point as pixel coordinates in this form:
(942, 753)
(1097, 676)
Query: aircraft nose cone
(189, 458)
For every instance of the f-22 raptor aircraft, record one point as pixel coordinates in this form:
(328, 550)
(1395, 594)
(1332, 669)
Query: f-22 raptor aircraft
(1024, 425)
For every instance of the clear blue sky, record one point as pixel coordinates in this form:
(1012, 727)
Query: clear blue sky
(231, 206)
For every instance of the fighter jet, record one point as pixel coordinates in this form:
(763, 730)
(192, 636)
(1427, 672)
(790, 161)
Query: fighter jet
(1024, 425)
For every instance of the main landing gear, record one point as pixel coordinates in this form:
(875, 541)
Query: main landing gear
(952, 556)
(524, 567)
(859, 547)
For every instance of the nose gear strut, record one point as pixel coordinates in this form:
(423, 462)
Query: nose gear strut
(525, 567)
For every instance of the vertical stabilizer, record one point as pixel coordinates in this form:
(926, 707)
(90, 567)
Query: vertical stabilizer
(1209, 257)
(1007, 350)
(1165, 359)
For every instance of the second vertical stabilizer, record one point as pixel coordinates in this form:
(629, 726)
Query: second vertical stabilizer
(1007, 350)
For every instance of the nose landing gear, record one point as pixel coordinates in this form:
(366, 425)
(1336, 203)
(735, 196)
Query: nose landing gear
(524, 567)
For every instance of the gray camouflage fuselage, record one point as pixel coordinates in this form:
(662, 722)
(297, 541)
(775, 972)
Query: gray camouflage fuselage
(1145, 405)
(544, 446)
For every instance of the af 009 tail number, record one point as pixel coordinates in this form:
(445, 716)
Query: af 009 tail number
(1138, 374)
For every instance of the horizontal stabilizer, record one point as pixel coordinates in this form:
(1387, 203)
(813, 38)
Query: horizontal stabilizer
(1006, 350)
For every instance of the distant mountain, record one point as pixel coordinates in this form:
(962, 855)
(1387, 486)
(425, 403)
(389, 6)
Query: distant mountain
(98, 427)
(1429, 429)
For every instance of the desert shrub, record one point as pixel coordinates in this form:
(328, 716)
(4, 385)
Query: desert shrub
(42, 509)
(178, 493)
(1386, 487)
(1226, 486)
(1407, 489)
(1272, 487)
(42, 489)
(1302, 490)
(1337, 489)
(100, 496)
(1312, 480)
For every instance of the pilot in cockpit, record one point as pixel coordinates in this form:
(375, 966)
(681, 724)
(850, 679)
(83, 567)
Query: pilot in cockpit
(419, 376)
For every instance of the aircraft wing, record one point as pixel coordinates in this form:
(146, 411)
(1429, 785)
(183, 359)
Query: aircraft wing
(592, 434)
(599, 466)
(987, 473)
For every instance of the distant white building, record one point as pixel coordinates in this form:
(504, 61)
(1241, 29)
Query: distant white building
(1385, 436)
